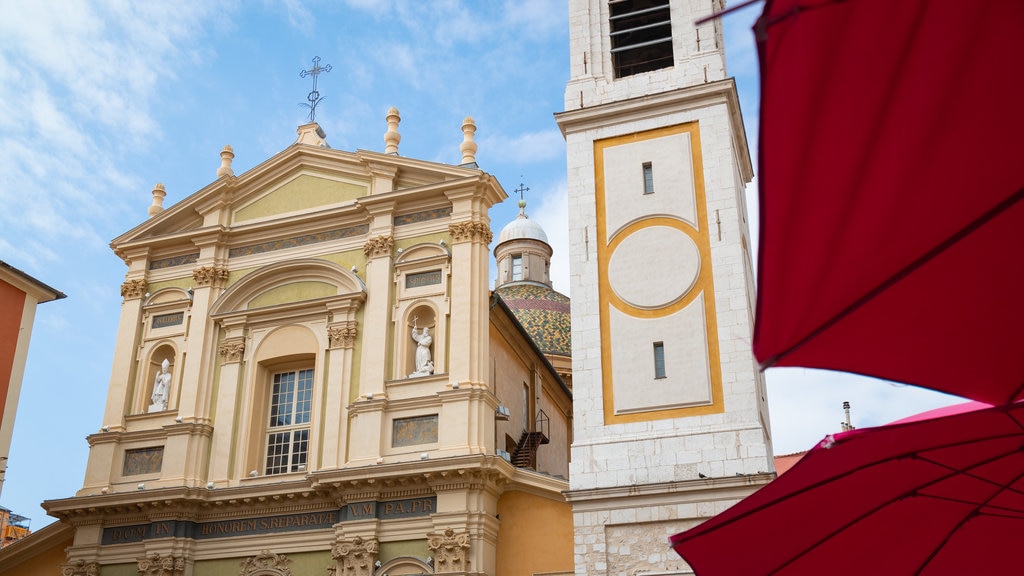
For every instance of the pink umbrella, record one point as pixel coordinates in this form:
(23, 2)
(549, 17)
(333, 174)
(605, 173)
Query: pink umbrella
(936, 496)
(891, 178)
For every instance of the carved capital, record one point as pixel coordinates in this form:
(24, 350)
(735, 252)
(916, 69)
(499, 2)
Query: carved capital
(79, 568)
(157, 565)
(450, 551)
(266, 560)
(379, 246)
(470, 231)
(133, 289)
(231, 351)
(342, 335)
(355, 556)
(210, 276)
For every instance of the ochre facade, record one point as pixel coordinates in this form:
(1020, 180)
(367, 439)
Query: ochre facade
(312, 377)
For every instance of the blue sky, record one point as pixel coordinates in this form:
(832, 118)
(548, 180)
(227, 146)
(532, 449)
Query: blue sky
(99, 101)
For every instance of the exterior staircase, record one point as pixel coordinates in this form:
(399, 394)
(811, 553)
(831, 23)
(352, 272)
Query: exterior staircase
(525, 455)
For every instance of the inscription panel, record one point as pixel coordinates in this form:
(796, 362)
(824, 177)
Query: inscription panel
(143, 461)
(414, 430)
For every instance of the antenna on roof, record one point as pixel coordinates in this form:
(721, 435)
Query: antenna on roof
(846, 426)
(314, 96)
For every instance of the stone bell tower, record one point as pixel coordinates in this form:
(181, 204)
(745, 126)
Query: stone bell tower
(671, 421)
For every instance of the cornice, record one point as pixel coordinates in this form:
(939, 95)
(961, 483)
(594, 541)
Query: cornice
(667, 493)
(313, 492)
(654, 105)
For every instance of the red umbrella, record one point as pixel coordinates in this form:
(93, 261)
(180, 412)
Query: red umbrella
(937, 496)
(891, 178)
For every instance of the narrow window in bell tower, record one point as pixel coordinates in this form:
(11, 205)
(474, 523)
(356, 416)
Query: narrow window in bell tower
(641, 36)
(517, 267)
(659, 360)
(648, 178)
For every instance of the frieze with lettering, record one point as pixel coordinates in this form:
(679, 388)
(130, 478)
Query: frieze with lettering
(386, 510)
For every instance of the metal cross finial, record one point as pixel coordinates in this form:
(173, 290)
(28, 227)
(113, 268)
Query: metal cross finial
(522, 188)
(314, 96)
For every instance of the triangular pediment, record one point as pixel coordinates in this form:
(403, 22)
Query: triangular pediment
(300, 181)
(302, 191)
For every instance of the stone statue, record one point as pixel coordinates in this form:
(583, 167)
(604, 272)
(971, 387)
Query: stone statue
(161, 387)
(423, 339)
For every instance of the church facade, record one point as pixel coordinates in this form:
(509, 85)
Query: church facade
(311, 376)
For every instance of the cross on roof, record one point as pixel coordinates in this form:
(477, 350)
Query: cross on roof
(522, 188)
(314, 96)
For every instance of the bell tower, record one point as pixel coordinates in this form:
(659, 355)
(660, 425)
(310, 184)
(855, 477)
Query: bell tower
(671, 420)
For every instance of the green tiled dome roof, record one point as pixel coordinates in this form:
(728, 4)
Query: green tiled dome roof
(544, 314)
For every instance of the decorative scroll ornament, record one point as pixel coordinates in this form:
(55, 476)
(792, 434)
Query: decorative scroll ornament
(79, 568)
(266, 560)
(379, 246)
(356, 556)
(133, 289)
(209, 275)
(342, 335)
(466, 231)
(231, 351)
(157, 565)
(450, 551)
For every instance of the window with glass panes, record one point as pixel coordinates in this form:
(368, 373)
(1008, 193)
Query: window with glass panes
(517, 267)
(288, 428)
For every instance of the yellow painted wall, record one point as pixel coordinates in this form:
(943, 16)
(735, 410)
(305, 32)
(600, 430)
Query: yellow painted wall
(46, 563)
(302, 193)
(391, 550)
(535, 535)
(301, 563)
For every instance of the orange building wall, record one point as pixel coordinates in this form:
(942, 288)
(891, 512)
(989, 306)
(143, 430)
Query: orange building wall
(535, 535)
(46, 562)
(12, 306)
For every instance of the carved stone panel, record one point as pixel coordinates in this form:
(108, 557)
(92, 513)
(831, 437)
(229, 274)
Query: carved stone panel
(157, 565)
(450, 551)
(355, 557)
(467, 231)
(378, 246)
(342, 335)
(79, 568)
(209, 276)
(231, 351)
(266, 561)
(133, 289)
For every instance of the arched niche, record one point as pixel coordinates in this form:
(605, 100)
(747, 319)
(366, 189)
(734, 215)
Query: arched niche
(158, 353)
(420, 316)
(404, 566)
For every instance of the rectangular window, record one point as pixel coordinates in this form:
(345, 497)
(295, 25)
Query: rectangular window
(288, 429)
(641, 36)
(517, 267)
(648, 178)
(659, 359)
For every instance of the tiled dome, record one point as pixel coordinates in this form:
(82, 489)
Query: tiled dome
(544, 314)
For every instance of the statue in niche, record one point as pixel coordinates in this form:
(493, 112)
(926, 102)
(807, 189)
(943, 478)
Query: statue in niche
(161, 387)
(423, 339)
